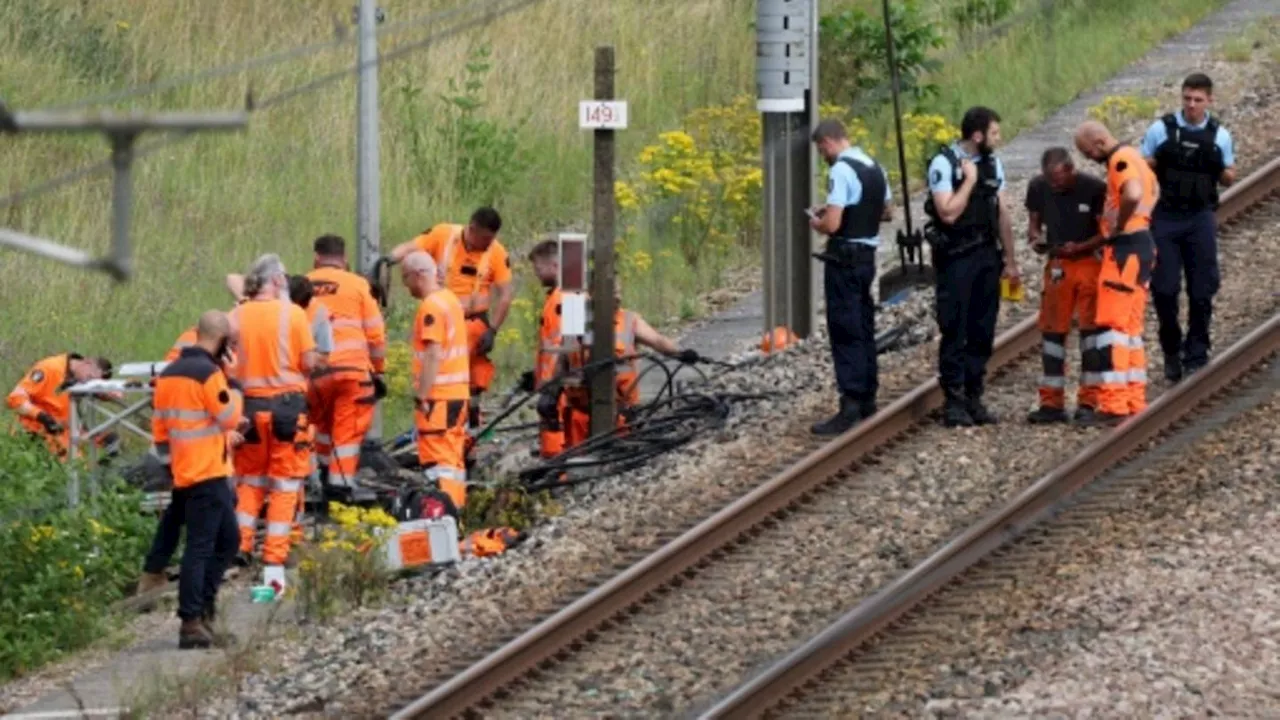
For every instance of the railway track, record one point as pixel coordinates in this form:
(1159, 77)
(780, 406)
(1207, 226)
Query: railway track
(826, 476)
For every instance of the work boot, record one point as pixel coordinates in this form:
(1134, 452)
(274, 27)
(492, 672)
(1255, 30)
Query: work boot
(150, 581)
(850, 414)
(979, 412)
(1083, 414)
(1172, 368)
(1047, 416)
(955, 412)
(1089, 417)
(194, 635)
(242, 559)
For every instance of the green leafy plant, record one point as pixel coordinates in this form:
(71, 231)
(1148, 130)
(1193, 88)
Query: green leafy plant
(970, 15)
(855, 42)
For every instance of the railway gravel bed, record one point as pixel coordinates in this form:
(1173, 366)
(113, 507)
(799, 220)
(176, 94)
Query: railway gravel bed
(1156, 598)
(431, 623)
(434, 623)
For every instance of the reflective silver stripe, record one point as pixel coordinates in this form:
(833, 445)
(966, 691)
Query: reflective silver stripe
(323, 438)
(245, 520)
(195, 434)
(450, 354)
(346, 451)
(1111, 338)
(226, 414)
(1110, 377)
(436, 472)
(1054, 350)
(285, 485)
(181, 414)
(452, 378)
(1053, 381)
(344, 323)
(1135, 342)
(372, 324)
(279, 528)
(252, 481)
(1137, 376)
(628, 335)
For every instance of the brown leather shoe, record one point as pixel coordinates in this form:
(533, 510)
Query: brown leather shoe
(194, 635)
(149, 582)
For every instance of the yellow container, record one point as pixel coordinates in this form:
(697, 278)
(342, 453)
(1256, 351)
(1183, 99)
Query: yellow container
(1011, 290)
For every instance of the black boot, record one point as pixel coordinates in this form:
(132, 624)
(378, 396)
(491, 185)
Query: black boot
(979, 412)
(955, 411)
(850, 414)
(1047, 416)
(1172, 367)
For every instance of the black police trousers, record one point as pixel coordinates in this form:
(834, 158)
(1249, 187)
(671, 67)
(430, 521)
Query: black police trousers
(1186, 244)
(968, 302)
(209, 512)
(851, 321)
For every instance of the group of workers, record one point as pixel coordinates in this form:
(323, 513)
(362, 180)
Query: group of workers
(1109, 243)
(282, 387)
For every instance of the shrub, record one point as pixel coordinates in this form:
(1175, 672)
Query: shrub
(854, 41)
(1117, 111)
(61, 568)
(344, 567)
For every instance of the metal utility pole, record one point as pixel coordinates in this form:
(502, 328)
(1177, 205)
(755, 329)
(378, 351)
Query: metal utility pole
(368, 227)
(122, 130)
(604, 412)
(787, 96)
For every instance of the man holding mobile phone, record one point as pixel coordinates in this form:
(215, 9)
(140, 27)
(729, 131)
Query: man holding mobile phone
(858, 199)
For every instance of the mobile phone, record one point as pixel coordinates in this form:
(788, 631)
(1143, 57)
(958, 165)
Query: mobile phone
(811, 214)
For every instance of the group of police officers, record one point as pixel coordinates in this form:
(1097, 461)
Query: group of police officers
(1108, 244)
(282, 388)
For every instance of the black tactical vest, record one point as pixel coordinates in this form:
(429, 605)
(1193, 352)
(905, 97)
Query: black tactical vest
(1188, 165)
(862, 220)
(981, 216)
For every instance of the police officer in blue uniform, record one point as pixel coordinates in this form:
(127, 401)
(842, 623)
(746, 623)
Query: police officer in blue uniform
(1191, 154)
(972, 239)
(857, 202)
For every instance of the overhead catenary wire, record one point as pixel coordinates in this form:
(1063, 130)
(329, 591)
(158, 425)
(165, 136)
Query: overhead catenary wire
(143, 149)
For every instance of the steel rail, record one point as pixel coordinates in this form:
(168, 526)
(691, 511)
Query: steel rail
(560, 631)
(756, 696)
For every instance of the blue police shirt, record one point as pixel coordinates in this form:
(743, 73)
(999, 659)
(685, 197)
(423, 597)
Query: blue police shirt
(1156, 135)
(940, 171)
(845, 188)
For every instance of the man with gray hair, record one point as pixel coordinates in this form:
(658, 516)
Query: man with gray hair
(277, 353)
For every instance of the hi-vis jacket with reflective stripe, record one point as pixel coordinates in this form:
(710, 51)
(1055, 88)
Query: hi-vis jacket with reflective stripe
(194, 408)
(470, 275)
(1123, 164)
(440, 322)
(44, 389)
(274, 334)
(359, 336)
(550, 351)
(626, 371)
(184, 341)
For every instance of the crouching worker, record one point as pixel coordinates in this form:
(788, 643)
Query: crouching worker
(194, 425)
(276, 353)
(441, 377)
(630, 331)
(43, 404)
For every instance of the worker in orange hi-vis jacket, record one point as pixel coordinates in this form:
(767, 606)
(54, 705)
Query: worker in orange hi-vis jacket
(277, 352)
(549, 359)
(1127, 263)
(344, 394)
(42, 402)
(473, 264)
(441, 379)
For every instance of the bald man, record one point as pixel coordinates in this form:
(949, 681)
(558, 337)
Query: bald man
(196, 421)
(1127, 262)
(441, 377)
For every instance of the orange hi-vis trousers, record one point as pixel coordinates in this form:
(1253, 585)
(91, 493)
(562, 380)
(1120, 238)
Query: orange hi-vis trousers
(1070, 292)
(551, 433)
(341, 405)
(442, 446)
(482, 369)
(270, 468)
(1122, 300)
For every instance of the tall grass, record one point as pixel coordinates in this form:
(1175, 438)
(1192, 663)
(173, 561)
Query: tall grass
(208, 205)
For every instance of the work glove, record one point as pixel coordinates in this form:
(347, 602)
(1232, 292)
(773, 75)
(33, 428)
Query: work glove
(526, 382)
(688, 356)
(51, 426)
(379, 386)
(485, 344)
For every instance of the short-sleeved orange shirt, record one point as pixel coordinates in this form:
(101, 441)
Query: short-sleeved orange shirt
(470, 275)
(1124, 164)
(439, 322)
(274, 335)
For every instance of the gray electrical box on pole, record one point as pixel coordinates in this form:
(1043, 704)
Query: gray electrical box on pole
(368, 228)
(787, 96)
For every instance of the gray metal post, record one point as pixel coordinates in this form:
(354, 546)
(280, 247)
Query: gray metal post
(122, 130)
(368, 227)
(603, 406)
(787, 97)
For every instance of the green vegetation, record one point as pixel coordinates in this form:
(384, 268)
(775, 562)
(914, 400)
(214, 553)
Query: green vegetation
(61, 569)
